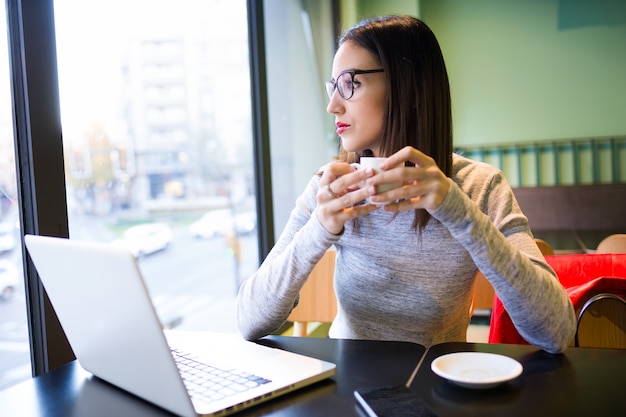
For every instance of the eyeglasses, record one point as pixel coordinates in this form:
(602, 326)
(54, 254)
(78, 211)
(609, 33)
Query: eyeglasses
(345, 83)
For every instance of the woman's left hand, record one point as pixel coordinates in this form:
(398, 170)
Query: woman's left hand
(423, 186)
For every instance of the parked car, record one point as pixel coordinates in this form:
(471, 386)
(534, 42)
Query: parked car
(147, 238)
(7, 237)
(9, 280)
(245, 222)
(222, 222)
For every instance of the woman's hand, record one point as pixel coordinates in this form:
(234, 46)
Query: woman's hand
(424, 185)
(339, 193)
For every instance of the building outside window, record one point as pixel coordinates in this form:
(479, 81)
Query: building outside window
(157, 141)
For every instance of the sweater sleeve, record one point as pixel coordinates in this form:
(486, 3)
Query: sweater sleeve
(267, 297)
(488, 222)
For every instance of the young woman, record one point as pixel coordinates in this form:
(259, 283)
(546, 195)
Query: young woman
(405, 270)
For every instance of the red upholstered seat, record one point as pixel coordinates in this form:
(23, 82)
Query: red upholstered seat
(582, 275)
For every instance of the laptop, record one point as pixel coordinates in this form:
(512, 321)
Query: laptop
(103, 305)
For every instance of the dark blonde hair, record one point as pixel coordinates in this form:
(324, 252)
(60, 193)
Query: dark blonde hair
(418, 109)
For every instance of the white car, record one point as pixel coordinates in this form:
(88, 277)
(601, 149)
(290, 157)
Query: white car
(148, 238)
(223, 222)
(9, 280)
(245, 222)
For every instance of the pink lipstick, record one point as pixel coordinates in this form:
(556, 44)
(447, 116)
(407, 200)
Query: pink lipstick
(341, 127)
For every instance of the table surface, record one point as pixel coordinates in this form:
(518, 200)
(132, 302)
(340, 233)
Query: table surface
(72, 391)
(578, 382)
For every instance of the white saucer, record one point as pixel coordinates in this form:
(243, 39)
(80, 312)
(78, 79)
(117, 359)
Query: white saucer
(476, 369)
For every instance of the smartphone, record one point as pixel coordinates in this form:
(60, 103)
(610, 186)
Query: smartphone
(391, 401)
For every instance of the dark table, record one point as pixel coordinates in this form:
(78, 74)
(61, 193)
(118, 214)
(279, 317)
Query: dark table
(586, 382)
(579, 382)
(72, 392)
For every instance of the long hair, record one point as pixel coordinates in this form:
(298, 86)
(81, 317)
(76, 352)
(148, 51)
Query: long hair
(418, 109)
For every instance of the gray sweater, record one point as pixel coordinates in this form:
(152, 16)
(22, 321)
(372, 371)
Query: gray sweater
(392, 285)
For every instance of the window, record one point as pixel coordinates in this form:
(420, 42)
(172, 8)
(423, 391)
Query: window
(156, 125)
(14, 346)
(157, 132)
(299, 59)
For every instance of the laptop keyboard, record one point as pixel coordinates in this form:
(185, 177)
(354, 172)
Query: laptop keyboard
(208, 383)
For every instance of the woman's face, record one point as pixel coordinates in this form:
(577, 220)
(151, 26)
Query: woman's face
(359, 120)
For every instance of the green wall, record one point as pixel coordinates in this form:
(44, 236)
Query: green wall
(525, 70)
(354, 10)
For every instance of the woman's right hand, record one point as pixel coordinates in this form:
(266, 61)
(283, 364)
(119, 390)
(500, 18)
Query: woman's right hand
(339, 193)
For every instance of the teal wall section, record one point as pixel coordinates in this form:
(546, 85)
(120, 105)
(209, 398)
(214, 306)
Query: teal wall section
(533, 70)
(587, 161)
(354, 10)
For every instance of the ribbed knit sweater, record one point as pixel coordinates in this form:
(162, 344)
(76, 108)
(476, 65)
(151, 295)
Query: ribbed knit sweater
(392, 284)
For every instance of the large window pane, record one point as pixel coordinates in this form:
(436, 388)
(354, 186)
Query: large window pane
(14, 344)
(156, 118)
(300, 47)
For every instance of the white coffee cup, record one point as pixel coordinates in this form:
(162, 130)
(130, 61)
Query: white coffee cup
(374, 163)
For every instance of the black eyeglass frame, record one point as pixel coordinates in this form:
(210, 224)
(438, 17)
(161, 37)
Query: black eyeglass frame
(331, 85)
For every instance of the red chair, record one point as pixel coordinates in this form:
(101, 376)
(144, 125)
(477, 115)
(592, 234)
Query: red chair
(582, 275)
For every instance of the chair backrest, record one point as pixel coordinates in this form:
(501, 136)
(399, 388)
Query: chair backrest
(544, 247)
(317, 297)
(582, 276)
(613, 244)
(602, 322)
(483, 295)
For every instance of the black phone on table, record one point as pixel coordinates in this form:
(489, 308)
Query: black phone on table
(391, 402)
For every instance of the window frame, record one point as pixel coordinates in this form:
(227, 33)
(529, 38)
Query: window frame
(39, 163)
(260, 127)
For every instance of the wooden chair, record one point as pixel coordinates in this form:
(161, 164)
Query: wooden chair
(602, 322)
(317, 297)
(544, 247)
(613, 244)
(483, 295)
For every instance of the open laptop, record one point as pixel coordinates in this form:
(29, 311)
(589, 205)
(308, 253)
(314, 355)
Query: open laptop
(104, 307)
